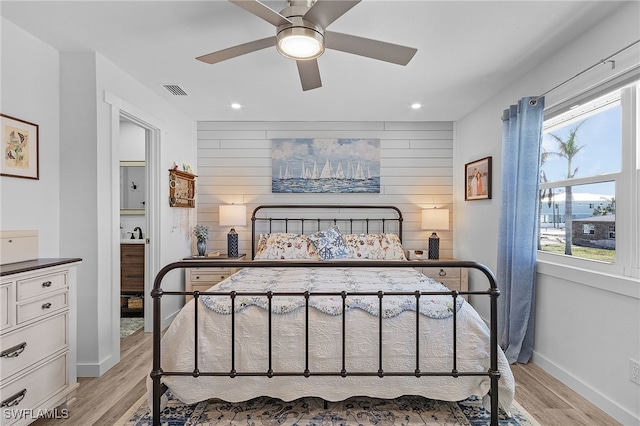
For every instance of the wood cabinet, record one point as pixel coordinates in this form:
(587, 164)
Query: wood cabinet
(37, 338)
(132, 278)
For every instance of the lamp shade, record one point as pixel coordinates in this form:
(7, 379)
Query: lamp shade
(233, 215)
(435, 219)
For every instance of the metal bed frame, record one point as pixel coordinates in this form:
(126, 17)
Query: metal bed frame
(157, 293)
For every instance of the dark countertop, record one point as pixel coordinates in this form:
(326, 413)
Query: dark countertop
(32, 265)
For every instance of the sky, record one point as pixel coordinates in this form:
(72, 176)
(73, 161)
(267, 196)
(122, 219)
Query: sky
(601, 137)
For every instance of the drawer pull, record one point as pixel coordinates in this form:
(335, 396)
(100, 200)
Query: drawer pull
(14, 400)
(442, 273)
(46, 284)
(46, 305)
(14, 351)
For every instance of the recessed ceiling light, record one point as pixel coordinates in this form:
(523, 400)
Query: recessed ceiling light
(236, 105)
(416, 105)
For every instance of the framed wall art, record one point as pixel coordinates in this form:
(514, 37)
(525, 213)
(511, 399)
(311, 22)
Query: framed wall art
(325, 165)
(477, 176)
(20, 143)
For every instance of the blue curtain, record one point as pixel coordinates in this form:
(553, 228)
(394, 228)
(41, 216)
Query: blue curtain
(518, 227)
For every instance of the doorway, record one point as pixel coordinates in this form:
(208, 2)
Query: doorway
(133, 224)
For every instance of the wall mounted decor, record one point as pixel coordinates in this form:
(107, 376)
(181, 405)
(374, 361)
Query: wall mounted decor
(325, 165)
(477, 176)
(20, 143)
(182, 189)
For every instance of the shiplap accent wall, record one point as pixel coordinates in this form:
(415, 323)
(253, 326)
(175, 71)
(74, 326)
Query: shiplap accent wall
(416, 168)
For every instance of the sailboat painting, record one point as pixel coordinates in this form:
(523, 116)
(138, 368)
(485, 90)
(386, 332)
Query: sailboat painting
(325, 165)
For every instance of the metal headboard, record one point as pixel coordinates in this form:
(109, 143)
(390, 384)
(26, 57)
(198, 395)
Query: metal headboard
(388, 218)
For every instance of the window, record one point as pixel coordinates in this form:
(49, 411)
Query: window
(589, 182)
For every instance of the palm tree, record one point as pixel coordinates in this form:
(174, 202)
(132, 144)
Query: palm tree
(544, 193)
(568, 149)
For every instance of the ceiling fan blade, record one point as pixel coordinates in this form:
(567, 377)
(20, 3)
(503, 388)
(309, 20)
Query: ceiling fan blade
(324, 12)
(262, 11)
(370, 48)
(241, 49)
(309, 74)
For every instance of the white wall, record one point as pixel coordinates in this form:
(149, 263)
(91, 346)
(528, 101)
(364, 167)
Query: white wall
(234, 166)
(74, 205)
(588, 325)
(90, 210)
(29, 83)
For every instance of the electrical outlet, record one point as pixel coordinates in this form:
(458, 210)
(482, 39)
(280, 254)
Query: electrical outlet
(634, 371)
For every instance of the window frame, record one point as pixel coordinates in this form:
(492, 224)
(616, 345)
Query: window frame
(627, 185)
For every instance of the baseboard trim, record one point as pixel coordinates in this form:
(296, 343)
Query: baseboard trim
(96, 370)
(596, 398)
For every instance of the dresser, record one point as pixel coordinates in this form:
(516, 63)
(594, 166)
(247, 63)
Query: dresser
(454, 278)
(37, 339)
(202, 278)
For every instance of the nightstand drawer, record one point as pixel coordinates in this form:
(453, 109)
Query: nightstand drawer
(442, 273)
(452, 284)
(210, 275)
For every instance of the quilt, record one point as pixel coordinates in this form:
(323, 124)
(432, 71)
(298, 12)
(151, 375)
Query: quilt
(251, 330)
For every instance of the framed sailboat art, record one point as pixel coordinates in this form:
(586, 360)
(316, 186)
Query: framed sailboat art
(325, 165)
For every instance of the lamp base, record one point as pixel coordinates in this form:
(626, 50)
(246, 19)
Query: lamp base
(434, 246)
(232, 243)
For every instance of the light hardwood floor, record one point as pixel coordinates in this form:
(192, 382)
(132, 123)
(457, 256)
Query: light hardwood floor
(102, 401)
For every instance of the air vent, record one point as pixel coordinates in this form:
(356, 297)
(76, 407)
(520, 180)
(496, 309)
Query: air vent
(175, 90)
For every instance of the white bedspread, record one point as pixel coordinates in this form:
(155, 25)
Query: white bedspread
(399, 323)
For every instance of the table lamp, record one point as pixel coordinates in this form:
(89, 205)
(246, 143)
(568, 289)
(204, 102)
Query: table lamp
(233, 215)
(435, 219)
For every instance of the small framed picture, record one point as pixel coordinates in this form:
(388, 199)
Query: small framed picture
(20, 143)
(477, 176)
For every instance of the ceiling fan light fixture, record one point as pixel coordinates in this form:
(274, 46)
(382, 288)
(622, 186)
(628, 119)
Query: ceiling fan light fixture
(300, 43)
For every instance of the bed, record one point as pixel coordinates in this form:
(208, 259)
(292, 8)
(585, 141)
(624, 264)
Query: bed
(328, 306)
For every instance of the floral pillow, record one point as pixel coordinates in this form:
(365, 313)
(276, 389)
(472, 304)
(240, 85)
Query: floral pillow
(375, 246)
(282, 246)
(329, 244)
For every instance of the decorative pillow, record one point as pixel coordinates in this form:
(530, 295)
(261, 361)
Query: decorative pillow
(282, 246)
(329, 244)
(375, 246)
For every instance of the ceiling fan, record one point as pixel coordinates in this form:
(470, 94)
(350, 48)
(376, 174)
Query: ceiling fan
(301, 36)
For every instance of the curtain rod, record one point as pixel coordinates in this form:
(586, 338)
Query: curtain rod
(608, 59)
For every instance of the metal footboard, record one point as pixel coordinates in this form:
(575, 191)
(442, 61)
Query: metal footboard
(157, 293)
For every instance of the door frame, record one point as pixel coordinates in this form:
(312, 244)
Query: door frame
(153, 132)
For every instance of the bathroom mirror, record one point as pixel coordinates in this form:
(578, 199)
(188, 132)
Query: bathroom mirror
(132, 187)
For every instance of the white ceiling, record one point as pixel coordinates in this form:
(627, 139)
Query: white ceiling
(467, 51)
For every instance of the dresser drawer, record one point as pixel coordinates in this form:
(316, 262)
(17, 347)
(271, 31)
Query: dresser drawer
(43, 284)
(32, 343)
(42, 306)
(32, 389)
(6, 306)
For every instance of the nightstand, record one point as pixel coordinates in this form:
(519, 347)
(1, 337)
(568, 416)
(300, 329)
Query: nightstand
(202, 279)
(455, 278)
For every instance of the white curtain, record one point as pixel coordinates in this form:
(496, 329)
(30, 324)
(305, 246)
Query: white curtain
(518, 229)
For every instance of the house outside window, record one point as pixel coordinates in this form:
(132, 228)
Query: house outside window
(588, 172)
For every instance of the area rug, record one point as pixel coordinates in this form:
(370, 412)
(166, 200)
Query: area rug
(129, 326)
(405, 410)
